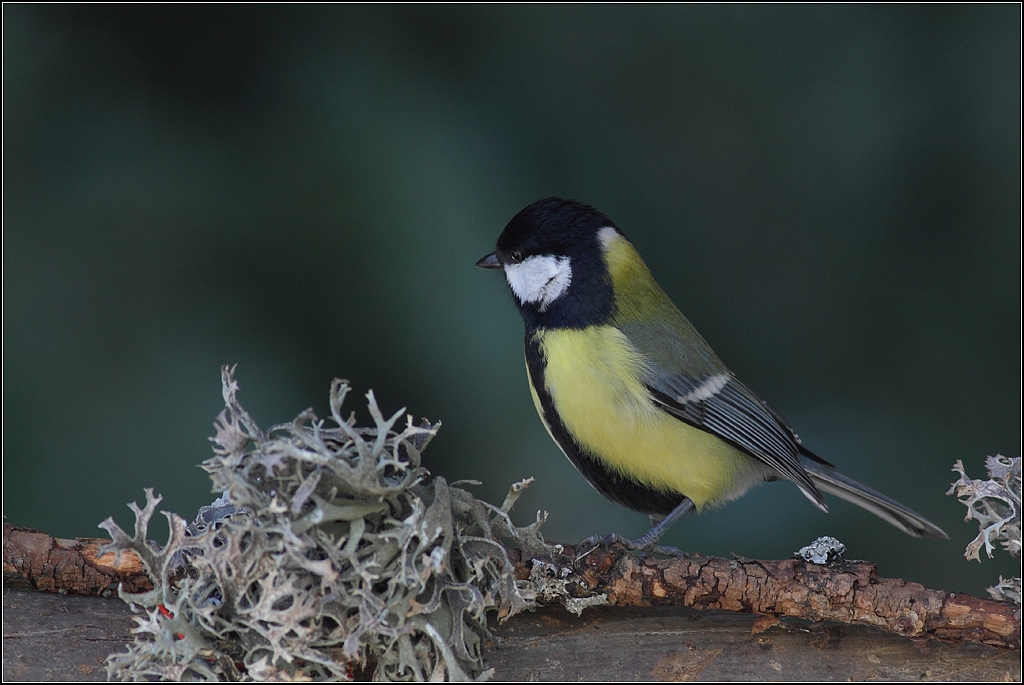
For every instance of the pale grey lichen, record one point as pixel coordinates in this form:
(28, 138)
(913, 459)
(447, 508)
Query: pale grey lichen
(332, 555)
(824, 550)
(553, 584)
(996, 505)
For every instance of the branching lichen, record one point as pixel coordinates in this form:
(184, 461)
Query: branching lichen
(551, 583)
(333, 553)
(995, 504)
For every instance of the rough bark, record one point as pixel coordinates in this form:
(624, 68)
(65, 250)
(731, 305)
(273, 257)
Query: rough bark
(846, 592)
(37, 561)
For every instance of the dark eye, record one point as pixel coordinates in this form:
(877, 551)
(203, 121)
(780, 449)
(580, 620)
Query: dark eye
(516, 256)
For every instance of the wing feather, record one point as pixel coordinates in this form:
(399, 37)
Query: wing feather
(707, 396)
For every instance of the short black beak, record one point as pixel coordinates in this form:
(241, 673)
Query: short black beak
(489, 262)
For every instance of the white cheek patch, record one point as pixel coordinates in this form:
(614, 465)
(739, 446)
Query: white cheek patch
(540, 280)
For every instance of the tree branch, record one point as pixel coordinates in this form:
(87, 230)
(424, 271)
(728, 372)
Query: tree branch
(37, 561)
(845, 591)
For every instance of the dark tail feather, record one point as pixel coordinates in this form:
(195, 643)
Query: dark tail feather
(831, 481)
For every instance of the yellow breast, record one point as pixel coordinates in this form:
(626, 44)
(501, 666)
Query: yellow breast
(594, 378)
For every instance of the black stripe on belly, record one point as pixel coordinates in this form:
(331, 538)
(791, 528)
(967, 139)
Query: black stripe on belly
(609, 483)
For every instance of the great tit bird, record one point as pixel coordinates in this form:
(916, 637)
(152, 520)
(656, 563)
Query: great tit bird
(632, 394)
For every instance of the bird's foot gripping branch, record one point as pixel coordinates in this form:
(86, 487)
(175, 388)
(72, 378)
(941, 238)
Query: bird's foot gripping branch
(340, 555)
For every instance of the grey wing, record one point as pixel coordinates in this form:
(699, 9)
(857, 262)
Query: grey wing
(720, 404)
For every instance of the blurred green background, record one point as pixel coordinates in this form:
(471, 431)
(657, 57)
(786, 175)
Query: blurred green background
(831, 194)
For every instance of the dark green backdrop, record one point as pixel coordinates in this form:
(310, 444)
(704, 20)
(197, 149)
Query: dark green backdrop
(831, 194)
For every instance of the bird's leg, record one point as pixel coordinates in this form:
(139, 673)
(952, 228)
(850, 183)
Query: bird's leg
(648, 542)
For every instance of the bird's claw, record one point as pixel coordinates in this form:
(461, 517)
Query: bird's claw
(642, 544)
